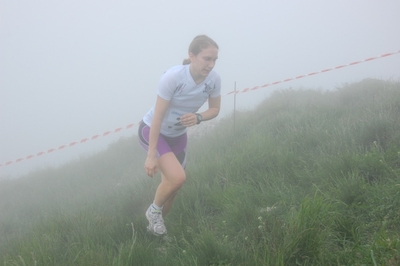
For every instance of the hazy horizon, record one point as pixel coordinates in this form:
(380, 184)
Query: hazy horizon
(75, 69)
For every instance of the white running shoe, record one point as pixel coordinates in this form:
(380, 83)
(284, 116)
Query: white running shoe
(156, 222)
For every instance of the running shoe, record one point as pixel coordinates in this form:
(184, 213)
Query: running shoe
(156, 222)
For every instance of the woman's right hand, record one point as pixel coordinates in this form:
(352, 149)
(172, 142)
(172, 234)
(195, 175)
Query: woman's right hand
(150, 165)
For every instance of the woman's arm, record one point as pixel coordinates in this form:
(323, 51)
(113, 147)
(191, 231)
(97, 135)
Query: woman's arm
(155, 129)
(214, 105)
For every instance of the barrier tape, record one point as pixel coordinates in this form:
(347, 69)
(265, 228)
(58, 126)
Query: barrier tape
(232, 92)
(107, 133)
(312, 73)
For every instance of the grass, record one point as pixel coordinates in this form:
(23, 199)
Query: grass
(306, 178)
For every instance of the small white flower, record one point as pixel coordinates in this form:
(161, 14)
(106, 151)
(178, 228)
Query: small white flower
(267, 209)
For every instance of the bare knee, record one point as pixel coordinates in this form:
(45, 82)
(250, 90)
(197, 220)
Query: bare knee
(177, 181)
(182, 179)
(172, 171)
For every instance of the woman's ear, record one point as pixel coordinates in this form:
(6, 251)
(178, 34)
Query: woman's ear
(191, 56)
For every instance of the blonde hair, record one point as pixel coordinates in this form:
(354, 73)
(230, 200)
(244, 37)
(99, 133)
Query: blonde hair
(199, 43)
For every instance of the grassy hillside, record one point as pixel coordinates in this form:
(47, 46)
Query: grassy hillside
(305, 178)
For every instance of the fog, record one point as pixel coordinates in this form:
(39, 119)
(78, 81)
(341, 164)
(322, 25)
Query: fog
(73, 69)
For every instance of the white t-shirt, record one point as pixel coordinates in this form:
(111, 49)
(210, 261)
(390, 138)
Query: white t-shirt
(177, 86)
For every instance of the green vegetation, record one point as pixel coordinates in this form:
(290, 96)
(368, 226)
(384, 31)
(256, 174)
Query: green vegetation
(306, 178)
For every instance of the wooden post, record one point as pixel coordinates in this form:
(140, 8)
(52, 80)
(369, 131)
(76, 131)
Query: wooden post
(234, 112)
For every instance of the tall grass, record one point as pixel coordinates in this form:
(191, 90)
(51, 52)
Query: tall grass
(306, 178)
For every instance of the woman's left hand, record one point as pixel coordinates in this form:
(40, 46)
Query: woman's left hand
(188, 120)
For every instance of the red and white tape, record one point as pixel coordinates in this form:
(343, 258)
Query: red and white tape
(232, 92)
(107, 133)
(312, 73)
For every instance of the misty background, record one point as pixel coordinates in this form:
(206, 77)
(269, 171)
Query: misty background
(73, 69)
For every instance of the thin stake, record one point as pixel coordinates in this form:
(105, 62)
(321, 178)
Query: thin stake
(234, 112)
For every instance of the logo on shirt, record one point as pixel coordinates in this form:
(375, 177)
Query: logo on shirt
(179, 88)
(207, 88)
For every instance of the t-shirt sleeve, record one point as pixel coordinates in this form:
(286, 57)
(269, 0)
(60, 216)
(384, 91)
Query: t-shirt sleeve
(217, 87)
(166, 86)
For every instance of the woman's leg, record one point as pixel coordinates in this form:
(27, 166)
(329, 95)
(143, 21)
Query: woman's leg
(168, 204)
(172, 179)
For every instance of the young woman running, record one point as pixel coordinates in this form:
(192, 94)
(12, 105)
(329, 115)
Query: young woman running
(182, 90)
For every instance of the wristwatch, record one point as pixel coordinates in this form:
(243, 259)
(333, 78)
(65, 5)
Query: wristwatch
(199, 118)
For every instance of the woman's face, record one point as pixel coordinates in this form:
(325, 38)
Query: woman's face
(204, 62)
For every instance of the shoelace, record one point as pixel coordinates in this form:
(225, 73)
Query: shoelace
(159, 219)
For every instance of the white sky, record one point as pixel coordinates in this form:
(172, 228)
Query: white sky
(73, 69)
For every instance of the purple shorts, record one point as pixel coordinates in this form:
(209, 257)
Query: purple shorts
(165, 144)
